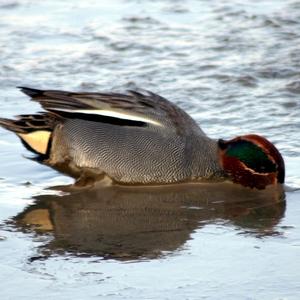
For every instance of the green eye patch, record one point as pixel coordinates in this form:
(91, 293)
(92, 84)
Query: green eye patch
(252, 156)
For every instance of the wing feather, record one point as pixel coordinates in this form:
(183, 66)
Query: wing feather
(144, 106)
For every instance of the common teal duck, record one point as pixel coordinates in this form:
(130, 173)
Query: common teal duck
(138, 138)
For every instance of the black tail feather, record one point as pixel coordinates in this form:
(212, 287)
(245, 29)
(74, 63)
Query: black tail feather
(12, 125)
(34, 131)
(29, 123)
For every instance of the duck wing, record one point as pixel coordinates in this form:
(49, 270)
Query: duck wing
(134, 108)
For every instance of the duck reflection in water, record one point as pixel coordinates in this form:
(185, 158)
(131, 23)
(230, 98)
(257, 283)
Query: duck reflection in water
(129, 223)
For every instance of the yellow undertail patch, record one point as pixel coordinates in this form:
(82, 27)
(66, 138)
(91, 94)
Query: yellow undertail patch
(37, 140)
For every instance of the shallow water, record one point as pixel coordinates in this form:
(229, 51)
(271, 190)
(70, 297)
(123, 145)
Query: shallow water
(234, 66)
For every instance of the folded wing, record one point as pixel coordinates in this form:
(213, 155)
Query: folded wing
(131, 109)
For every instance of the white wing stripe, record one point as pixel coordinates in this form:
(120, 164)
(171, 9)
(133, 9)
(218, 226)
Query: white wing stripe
(110, 113)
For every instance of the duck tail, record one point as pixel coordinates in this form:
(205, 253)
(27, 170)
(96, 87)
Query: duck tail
(35, 131)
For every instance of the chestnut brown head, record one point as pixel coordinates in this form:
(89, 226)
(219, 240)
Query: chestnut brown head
(251, 160)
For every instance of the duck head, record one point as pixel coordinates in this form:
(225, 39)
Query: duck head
(251, 160)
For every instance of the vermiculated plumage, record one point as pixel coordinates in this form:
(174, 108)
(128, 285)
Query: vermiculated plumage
(137, 137)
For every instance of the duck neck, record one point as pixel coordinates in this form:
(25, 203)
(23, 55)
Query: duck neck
(205, 159)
